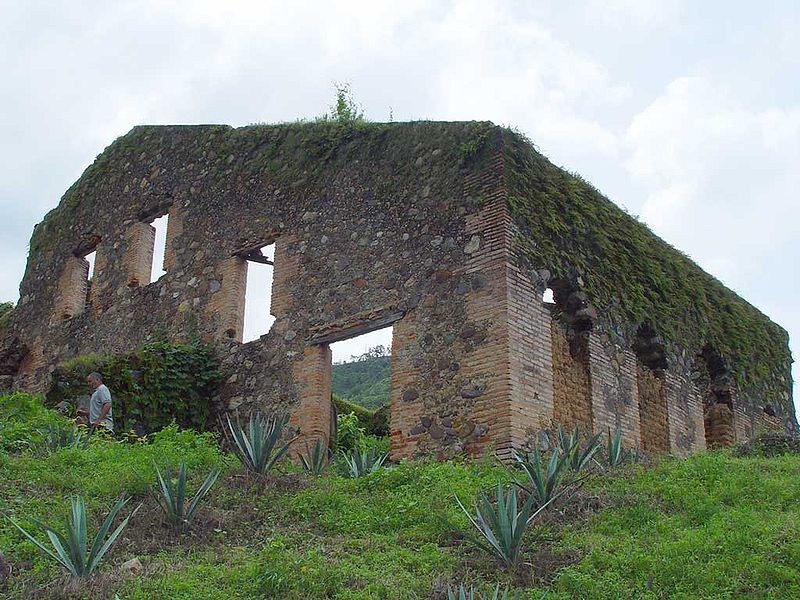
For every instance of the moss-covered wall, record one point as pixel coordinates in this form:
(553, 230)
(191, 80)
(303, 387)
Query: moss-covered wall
(438, 228)
(631, 276)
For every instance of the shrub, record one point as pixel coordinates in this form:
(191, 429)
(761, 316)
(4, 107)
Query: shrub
(258, 447)
(171, 495)
(374, 422)
(23, 418)
(498, 526)
(362, 462)
(72, 551)
(349, 433)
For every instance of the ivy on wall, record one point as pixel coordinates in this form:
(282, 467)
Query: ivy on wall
(632, 276)
(151, 387)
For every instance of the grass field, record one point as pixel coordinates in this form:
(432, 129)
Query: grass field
(712, 526)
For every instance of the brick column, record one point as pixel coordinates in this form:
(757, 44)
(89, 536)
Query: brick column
(226, 307)
(406, 406)
(615, 404)
(284, 272)
(531, 360)
(71, 299)
(138, 261)
(654, 422)
(311, 417)
(174, 231)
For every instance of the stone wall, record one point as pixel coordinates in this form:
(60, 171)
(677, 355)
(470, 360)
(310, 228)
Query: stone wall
(408, 225)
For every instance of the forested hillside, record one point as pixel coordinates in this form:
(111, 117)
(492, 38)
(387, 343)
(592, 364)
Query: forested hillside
(365, 380)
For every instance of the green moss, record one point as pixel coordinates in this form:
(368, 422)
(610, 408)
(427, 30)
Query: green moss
(5, 314)
(632, 276)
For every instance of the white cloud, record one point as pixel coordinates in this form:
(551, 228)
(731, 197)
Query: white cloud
(719, 175)
(639, 13)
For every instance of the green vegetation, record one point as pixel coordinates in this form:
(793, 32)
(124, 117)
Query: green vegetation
(631, 276)
(153, 386)
(72, 550)
(258, 445)
(712, 526)
(374, 422)
(361, 463)
(5, 314)
(499, 525)
(364, 381)
(316, 459)
(171, 495)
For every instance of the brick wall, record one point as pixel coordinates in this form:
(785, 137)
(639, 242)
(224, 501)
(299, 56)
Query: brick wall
(406, 402)
(226, 307)
(685, 412)
(531, 359)
(72, 288)
(285, 270)
(614, 401)
(572, 382)
(174, 232)
(139, 255)
(653, 418)
(311, 415)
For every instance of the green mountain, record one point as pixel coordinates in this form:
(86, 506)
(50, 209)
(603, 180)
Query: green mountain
(364, 381)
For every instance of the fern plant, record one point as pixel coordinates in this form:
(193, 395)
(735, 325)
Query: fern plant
(258, 445)
(577, 456)
(362, 462)
(72, 550)
(544, 481)
(171, 495)
(499, 524)
(315, 460)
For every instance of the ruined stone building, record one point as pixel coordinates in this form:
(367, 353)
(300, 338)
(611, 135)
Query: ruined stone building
(520, 298)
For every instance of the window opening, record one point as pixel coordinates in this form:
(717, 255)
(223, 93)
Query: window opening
(548, 297)
(258, 292)
(157, 269)
(90, 258)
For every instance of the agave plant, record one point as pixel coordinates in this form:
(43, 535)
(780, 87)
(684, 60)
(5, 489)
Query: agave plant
(462, 593)
(545, 482)
(616, 454)
(499, 525)
(171, 495)
(258, 445)
(363, 462)
(315, 460)
(58, 436)
(72, 551)
(577, 457)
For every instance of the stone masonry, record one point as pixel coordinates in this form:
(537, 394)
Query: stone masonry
(408, 225)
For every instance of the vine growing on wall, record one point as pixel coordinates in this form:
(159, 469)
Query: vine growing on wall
(151, 387)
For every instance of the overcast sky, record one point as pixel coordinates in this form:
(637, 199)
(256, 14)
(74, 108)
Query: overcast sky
(684, 113)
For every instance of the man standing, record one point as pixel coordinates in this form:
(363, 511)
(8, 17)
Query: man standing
(100, 403)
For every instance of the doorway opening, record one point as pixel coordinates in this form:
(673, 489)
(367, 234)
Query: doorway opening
(360, 385)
